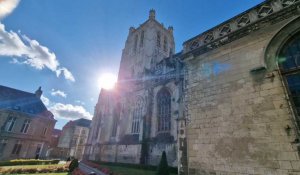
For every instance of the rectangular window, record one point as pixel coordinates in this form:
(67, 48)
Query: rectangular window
(17, 148)
(74, 141)
(3, 144)
(45, 131)
(10, 124)
(25, 126)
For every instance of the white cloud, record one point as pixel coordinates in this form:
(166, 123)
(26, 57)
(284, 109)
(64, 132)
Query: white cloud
(69, 111)
(45, 100)
(7, 6)
(66, 111)
(58, 93)
(67, 74)
(30, 52)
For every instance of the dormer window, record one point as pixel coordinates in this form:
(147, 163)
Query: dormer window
(17, 108)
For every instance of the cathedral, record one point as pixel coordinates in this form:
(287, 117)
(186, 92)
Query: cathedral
(228, 103)
(137, 120)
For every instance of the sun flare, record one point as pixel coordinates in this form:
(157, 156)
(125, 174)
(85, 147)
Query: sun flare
(107, 81)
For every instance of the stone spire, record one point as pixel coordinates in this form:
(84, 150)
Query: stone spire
(152, 14)
(39, 92)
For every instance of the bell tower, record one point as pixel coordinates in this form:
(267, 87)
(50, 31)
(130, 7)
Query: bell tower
(145, 46)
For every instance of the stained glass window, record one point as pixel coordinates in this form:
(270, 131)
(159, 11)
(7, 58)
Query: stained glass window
(116, 118)
(158, 39)
(164, 110)
(137, 115)
(289, 64)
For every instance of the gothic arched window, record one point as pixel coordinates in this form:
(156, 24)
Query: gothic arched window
(164, 110)
(289, 64)
(136, 116)
(135, 42)
(158, 39)
(116, 118)
(142, 39)
(165, 44)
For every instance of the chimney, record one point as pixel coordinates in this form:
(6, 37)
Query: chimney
(170, 29)
(152, 14)
(131, 29)
(39, 92)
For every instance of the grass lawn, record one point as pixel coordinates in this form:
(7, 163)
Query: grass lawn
(129, 171)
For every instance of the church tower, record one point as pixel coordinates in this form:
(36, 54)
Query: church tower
(145, 46)
(135, 122)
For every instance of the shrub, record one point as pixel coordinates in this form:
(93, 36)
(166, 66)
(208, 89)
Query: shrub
(73, 165)
(163, 168)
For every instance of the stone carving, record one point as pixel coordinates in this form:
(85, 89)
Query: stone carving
(240, 23)
(243, 21)
(264, 11)
(224, 30)
(209, 37)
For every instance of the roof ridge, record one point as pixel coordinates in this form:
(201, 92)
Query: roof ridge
(17, 90)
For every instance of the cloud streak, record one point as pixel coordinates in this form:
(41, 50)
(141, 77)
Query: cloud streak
(7, 6)
(30, 52)
(58, 93)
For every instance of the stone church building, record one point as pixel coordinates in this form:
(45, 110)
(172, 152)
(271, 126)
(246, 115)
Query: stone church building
(124, 126)
(228, 103)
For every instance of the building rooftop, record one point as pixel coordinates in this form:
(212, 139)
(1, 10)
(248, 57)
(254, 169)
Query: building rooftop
(79, 122)
(25, 102)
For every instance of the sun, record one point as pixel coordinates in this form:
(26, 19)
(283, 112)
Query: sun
(107, 81)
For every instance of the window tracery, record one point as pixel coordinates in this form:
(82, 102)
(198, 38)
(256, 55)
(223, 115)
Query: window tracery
(164, 110)
(136, 116)
(289, 64)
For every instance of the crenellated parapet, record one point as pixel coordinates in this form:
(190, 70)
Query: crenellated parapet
(241, 25)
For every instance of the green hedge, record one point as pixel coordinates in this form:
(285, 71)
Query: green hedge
(20, 170)
(172, 170)
(28, 162)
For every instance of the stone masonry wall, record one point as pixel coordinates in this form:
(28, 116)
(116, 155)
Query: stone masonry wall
(238, 120)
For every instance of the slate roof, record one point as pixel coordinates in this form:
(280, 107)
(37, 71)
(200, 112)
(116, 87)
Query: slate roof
(83, 122)
(21, 101)
(79, 122)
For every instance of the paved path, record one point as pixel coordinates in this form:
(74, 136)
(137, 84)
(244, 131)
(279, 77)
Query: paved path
(88, 169)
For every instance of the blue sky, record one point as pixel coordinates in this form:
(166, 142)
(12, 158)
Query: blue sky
(87, 38)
